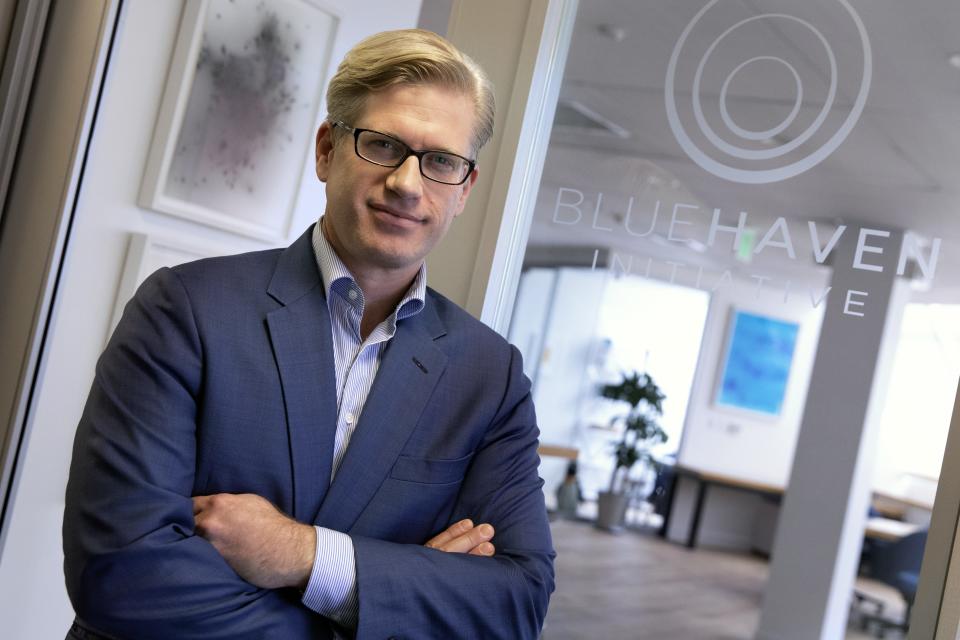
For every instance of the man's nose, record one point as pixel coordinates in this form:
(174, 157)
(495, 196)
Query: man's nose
(406, 180)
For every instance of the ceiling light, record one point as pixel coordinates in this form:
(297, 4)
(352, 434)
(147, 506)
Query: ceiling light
(578, 115)
(954, 60)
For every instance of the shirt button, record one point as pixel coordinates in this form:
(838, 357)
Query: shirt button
(352, 294)
(349, 418)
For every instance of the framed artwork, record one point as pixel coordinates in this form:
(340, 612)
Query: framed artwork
(757, 365)
(146, 254)
(236, 120)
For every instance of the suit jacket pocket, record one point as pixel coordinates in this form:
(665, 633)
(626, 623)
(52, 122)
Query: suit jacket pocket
(430, 470)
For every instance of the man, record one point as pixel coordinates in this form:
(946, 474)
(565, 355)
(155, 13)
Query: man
(323, 381)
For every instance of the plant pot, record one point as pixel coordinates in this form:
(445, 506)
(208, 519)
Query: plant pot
(611, 510)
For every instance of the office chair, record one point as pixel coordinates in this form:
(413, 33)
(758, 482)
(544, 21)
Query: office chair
(662, 491)
(898, 565)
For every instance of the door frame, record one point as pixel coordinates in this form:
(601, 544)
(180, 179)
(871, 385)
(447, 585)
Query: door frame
(41, 202)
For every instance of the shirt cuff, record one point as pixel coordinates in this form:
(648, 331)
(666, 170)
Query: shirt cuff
(332, 589)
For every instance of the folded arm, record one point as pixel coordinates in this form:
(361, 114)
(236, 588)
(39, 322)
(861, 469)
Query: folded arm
(271, 550)
(332, 587)
(413, 591)
(468, 581)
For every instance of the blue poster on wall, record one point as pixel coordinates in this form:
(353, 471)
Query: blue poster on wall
(759, 354)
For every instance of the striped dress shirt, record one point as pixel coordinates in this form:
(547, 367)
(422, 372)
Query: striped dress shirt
(331, 590)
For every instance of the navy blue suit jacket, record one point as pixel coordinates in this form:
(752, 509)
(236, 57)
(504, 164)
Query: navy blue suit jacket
(220, 378)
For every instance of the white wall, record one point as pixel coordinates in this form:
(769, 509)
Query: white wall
(559, 307)
(562, 384)
(915, 417)
(531, 313)
(655, 327)
(727, 441)
(760, 449)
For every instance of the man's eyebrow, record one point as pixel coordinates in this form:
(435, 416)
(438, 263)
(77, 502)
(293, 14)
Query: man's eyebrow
(447, 150)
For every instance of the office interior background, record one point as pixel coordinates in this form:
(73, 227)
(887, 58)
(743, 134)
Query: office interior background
(752, 201)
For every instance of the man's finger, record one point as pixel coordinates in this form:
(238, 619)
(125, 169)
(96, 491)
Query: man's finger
(200, 503)
(483, 549)
(453, 531)
(468, 541)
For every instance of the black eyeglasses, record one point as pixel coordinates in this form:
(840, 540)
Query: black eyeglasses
(379, 148)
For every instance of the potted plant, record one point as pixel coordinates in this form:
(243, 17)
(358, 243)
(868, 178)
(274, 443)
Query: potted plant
(641, 432)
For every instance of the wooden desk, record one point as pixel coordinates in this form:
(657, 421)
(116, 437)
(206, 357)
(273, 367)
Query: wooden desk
(878, 528)
(889, 530)
(556, 451)
(881, 497)
(704, 480)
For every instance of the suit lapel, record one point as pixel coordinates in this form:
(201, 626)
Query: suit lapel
(303, 348)
(400, 392)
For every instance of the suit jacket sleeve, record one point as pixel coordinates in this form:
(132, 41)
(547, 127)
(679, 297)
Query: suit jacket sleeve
(413, 591)
(134, 567)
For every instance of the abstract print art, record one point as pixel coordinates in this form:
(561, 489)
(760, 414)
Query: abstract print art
(241, 101)
(757, 367)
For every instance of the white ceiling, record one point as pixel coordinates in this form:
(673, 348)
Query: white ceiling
(899, 168)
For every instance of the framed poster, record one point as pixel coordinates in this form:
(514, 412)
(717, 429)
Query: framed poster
(757, 365)
(238, 112)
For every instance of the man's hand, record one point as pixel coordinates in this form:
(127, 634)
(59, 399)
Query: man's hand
(463, 537)
(264, 546)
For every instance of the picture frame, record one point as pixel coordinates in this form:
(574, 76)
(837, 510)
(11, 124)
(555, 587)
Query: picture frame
(757, 361)
(243, 93)
(146, 254)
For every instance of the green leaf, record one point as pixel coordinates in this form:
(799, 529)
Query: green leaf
(642, 431)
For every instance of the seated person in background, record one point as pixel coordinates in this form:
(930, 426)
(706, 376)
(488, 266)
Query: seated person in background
(310, 442)
(569, 494)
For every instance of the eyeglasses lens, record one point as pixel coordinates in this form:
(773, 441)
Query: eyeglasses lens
(381, 149)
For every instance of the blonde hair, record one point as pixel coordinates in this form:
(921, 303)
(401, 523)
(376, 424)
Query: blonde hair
(409, 56)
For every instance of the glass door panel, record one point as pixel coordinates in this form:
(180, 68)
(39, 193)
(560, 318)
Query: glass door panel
(751, 206)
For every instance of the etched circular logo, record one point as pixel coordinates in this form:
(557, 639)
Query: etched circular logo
(750, 156)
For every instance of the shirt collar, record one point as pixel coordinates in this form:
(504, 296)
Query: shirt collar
(332, 271)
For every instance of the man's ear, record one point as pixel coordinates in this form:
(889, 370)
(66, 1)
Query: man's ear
(466, 187)
(324, 150)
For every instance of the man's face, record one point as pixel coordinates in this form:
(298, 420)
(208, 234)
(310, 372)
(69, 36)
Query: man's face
(382, 219)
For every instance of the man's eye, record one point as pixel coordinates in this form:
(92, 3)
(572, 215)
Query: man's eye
(383, 144)
(443, 163)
